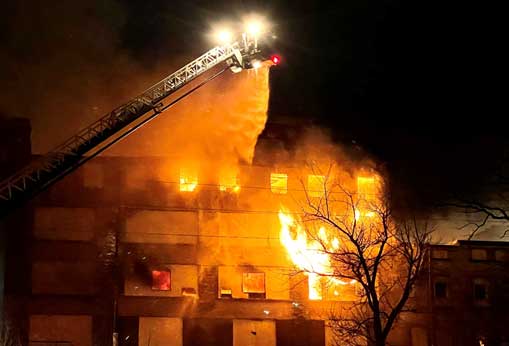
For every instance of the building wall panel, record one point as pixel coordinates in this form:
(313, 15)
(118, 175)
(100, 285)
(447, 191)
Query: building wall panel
(160, 331)
(73, 329)
(64, 223)
(169, 227)
(254, 333)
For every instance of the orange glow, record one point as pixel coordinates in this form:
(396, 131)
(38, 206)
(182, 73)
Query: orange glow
(316, 185)
(188, 181)
(309, 255)
(366, 188)
(229, 182)
(279, 183)
(367, 193)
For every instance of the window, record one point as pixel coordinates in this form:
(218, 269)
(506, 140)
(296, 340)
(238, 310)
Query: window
(229, 182)
(479, 255)
(440, 289)
(439, 254)
(161, 280)
(254, 284)
(480, 291)
(501, 256)
(188, 291)
(366, 188)
(225, 293)
(316, 185)
(279, 183)
(188, 180)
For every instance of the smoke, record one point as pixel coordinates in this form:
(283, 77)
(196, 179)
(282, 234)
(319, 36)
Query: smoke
(310, 146)
(220, 122)
(63, 66)
(69, 63)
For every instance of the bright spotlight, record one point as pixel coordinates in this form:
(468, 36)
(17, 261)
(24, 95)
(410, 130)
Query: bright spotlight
(256, 64)
(224, 36)
(254, 28)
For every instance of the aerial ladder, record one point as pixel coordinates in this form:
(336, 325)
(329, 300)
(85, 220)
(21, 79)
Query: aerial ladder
(245, 53)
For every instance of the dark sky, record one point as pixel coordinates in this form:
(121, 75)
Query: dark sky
(410, 82)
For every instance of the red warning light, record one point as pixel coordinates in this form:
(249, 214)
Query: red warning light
(275, 59)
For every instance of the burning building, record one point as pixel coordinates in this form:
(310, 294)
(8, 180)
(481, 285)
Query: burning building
(186, 248)
(190, 233)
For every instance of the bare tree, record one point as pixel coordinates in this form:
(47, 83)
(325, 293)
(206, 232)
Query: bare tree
(490, 202)
(366, 246)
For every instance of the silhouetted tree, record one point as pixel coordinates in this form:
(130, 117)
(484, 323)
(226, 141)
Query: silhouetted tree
(367, 247)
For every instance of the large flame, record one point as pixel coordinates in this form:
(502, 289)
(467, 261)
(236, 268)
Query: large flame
(310, 254)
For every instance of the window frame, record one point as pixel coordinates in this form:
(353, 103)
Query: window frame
(254, 293)
(279, 177)
(445, 289)
(481, 282)
(157, 288)
(440, 258)
(477, 258)
(316, 193)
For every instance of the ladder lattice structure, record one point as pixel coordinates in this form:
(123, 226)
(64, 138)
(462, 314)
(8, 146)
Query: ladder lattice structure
(45, 170)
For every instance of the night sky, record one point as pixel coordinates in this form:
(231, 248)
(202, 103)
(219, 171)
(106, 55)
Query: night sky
(409, 82)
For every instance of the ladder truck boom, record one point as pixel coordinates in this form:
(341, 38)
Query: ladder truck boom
(90, 141)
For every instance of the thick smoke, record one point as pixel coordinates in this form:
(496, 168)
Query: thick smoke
(220, 122)
(68, 63)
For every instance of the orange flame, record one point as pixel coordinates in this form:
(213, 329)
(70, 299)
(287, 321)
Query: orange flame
(310, 255)
(188, 180)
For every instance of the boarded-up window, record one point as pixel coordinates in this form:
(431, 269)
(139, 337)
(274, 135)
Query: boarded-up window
(254, 333)
(64, 223)
(51, 277)
(253, 282)
(65, 330)
(502, 255)
(279, 183)
(170, 227)
(479, 255)
(93, 176)
(300, 332)
(208, 332)
(160, 331)
(161, 280)
(316, 185)
(439, 254)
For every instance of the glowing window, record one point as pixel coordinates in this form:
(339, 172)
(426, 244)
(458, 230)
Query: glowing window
(279, 183)
(316, 185)
(161, 280)
(188, 181)
(229, 183)
(366, 188)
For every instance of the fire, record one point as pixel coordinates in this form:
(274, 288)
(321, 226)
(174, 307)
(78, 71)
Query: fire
(367, 195)
(229, 182)
(188, 181)
(308, 254)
